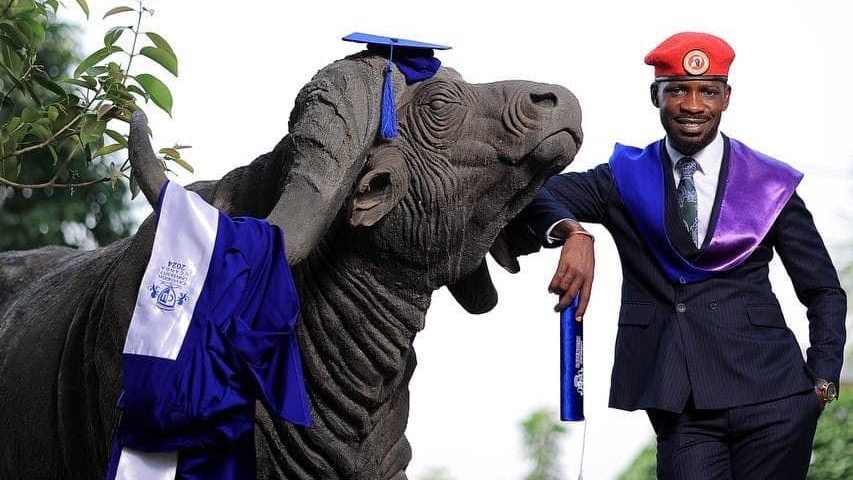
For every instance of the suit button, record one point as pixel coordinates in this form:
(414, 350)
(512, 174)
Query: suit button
(681, 308)
(713, 305)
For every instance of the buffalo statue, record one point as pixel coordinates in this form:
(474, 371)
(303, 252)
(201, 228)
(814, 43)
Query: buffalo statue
(373, 227)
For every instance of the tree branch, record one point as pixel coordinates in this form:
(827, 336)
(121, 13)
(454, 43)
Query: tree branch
(52, 182)
(64, 164)
(132, 53)
(46, 142)
(52, 185)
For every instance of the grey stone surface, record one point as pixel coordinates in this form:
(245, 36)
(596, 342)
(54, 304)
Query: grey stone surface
(373, 228)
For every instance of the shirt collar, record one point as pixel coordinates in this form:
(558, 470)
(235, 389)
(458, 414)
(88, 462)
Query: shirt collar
(709, 158)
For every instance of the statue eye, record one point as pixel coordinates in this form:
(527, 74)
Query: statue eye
(437, 104)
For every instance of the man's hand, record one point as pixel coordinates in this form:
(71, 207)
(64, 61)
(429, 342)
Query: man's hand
(576, 268)
(820, 399)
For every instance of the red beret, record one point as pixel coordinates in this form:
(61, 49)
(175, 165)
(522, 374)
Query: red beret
(691, 55)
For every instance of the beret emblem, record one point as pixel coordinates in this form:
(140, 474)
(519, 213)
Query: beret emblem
(696, 62)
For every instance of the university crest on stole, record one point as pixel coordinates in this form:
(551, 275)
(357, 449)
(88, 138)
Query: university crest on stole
(169, 290)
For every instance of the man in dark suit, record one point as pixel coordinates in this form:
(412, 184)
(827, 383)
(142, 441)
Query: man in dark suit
(702, 345)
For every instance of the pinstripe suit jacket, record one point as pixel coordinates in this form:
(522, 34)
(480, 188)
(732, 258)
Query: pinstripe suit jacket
(724, 340)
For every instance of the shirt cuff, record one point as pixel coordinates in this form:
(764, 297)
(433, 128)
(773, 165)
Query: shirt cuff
(551, 240)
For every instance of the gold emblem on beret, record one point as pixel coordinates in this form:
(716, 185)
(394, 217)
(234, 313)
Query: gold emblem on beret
(696, 62)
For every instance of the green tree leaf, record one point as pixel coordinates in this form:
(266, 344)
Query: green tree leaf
(84, 6)
(21, 132)
(160, 42)
(88, 82)
(170, 152)
(134, 186)
(113, 35)
(94, 58)
(14, 123)
(138, 91)
(14, 78)
(42, 79)
(92, 129)
(116, 10)
(53, 154)
(37, 29)
(25, 6)
(15, 36)
(40, 131)
(158, 91)
(162, 56)
(29, 114)
(117, 137)
(183, 163)
(108, 149)
(12, 59)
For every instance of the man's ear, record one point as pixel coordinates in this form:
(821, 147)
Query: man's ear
(653, 90)
(379, 188)
(727, 93)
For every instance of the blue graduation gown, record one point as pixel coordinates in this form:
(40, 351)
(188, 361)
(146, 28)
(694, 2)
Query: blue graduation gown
(213, 330)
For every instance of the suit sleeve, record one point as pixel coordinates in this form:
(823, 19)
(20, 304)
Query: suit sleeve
(815, 281)
(581, 196)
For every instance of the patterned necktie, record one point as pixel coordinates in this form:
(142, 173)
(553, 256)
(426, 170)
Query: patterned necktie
(687, 199)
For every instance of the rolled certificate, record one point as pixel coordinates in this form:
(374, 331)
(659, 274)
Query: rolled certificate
(571, 365)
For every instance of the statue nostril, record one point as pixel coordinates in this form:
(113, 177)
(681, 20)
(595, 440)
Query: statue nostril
(544, 100)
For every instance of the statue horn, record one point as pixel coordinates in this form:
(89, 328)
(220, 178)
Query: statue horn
(147, 169)
(334, 122)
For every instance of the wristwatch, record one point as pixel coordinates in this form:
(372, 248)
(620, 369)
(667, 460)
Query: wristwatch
(826, 390)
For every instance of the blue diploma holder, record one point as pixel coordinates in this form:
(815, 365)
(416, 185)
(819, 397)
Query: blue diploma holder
(571, 365)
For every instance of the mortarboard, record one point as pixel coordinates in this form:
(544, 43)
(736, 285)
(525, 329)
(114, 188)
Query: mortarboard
(415, 61)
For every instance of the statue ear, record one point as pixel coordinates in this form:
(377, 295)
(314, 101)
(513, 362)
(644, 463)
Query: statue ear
(379, 188)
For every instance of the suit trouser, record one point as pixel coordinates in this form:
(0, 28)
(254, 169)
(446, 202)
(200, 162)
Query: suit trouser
(770, 440)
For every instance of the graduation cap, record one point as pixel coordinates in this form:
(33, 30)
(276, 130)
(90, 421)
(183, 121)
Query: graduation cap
(415, 61)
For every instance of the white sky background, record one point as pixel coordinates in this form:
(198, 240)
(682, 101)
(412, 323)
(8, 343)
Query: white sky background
(242, 63)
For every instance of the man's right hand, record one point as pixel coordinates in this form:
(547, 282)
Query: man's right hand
(576, 268)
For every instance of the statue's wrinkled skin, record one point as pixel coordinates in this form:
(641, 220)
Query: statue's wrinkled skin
(372, 227)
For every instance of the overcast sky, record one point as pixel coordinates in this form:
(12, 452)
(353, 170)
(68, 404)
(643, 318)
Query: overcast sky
(242, 63)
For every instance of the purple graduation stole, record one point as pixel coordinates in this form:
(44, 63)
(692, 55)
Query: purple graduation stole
(755, 190)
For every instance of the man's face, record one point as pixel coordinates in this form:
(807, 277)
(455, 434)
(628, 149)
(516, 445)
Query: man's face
(690, 111)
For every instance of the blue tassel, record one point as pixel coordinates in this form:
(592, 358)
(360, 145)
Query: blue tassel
(388, 116)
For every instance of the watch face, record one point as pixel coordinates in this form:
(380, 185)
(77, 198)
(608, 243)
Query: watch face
(831, 392)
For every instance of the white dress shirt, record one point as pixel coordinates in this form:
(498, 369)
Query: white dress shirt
(706, 178)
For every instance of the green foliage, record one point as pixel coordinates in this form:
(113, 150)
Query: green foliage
(832, 457)
(83, 218)
(644, 466)
(48, 122)
(31, 218)
(59, 182)
(832, 454)
(542, 433)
